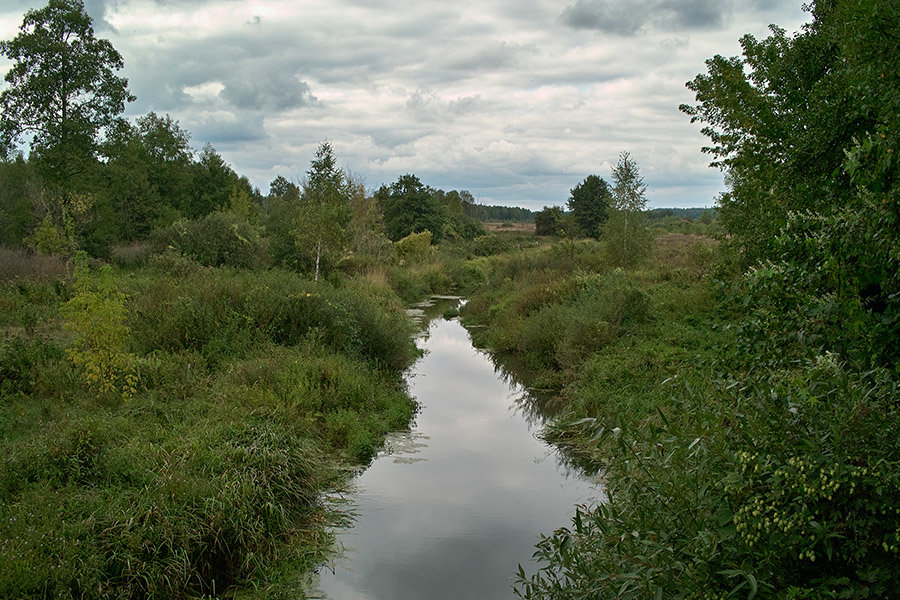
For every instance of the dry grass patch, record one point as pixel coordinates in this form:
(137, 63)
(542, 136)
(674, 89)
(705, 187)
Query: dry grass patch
(22, 264)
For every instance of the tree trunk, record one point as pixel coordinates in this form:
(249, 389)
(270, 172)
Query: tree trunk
(318, 257)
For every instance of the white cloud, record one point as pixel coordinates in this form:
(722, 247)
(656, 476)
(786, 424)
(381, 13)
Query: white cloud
(516, 102)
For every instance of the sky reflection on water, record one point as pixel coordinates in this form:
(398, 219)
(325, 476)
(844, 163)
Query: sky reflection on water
(455, 505)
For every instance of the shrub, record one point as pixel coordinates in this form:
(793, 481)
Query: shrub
(133, 254)
(218, 239)
(20, 264)
(488, 245)
(97, 317)
(22, 362)
(223, 314)
(415, 246)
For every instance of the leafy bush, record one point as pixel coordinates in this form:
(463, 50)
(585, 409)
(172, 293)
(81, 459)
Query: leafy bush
(20, 264)
(133, 254)
(488, 245)
(415, 246)
(218, 239)
(763, 487)
(97, 318)
(21, 363)
(222, 314)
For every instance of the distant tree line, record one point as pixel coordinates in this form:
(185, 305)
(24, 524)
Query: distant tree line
(93, 180)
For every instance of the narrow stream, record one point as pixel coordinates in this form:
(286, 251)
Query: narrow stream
(450, 509)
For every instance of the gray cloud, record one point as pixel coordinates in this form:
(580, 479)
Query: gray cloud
(497, 55)
(513, 101)
(608, 16)
(628, 18)
(267, 91)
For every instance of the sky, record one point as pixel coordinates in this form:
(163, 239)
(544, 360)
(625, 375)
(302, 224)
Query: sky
(516, 101)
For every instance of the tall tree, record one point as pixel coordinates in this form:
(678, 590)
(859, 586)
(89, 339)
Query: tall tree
(410, 207)
(62, 90)
(629, 199)
(781, 116)
(321, 229)
(589, 203)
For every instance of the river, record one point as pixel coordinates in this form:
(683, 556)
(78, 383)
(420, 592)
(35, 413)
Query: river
(452, 507)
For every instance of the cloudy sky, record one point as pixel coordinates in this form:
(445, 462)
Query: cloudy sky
(516, 101)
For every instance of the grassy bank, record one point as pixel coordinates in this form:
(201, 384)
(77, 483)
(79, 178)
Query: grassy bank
(736, 465)
(235, 399)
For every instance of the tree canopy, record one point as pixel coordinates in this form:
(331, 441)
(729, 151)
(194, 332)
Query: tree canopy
(589, 203)
(410, 207)
(62, 89)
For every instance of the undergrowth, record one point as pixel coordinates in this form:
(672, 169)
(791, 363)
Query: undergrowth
(252, 392)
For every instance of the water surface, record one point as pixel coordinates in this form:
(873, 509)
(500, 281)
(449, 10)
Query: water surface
(452, 507)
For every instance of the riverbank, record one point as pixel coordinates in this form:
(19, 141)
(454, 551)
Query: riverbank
(738, 460)
(192, 461)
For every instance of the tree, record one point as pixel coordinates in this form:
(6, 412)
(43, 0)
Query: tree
(806, 129)
(781, 116)
(367, 225)
(629, 199)
(147, 174)
(589, 203)
(410, 207)
(213, 180)
(321, 229)
(548, 221)
(62, 89)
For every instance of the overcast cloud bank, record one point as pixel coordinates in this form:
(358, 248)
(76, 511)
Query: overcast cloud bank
(515, 101)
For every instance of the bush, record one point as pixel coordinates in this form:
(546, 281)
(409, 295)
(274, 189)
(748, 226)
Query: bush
(488, 245)
(415, 246)
(218, 239)
(222, 314)
(22, 362)
(130, 255)
(97, 318)
(20, 264)
(781, 486)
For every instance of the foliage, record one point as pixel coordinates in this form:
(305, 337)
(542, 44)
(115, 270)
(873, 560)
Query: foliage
(19, 191)
(218, 239)
(626, 239)
(628, 200)
(548, 221)
(488, 245)
(367, 226)
(784, 500)
(458, 223)
(488, 213)
(772, 471)
(97, 318)
(320, 230)
(410, 207)
(415, 246)
(254, 392)
(24, 265)
(222, 314)
(148, 174)
(781, 116)
(62, 89)
(589, 203)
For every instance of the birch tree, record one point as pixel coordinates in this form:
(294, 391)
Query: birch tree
(321, 228)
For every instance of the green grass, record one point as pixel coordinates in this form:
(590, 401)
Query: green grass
(253, 392)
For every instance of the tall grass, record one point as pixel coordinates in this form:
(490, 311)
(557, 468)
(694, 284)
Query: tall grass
(252, 393)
